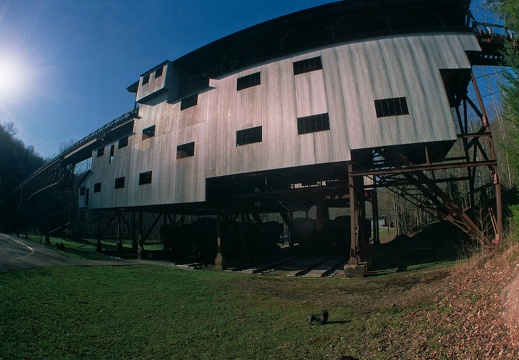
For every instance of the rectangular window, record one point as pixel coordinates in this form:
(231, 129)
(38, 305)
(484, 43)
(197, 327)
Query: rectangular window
(82, 190)
(158, 72)
(112, 154)
(123, 142)
(119, 183)
(97, 187)
(314, 123)
(189, 102)
(185, 150)
(248, 136)
(307, 65)
(391, 107)
(87, 196)
(100, 152)
(248, 81)
(145, 79)
(145, 178)
(148, 132)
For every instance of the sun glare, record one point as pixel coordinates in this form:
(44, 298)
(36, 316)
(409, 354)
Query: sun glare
(13, 76)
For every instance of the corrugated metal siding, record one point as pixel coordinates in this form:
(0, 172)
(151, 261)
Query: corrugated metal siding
(353, 77)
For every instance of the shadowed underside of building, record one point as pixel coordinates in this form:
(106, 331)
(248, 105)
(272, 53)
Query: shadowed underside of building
(313, 110)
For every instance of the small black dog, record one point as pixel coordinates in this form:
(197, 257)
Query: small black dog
(321, 318)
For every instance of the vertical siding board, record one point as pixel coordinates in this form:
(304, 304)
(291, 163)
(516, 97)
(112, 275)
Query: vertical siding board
(310, 94)
(353, 76)
(290, 139)
(360, 96)
(274, 132)
(339, 149)
(417, 102)
(385, 130)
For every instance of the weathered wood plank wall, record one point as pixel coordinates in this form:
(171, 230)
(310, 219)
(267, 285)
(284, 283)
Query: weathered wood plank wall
(352, 77)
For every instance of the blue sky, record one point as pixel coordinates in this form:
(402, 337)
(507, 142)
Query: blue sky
(72, 60)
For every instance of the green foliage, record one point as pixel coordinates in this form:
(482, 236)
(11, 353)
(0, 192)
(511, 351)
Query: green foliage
(509, 10)
(17, 162)
(514, 219)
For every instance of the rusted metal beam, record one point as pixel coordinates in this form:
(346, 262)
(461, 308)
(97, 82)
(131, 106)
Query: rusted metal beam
(417, 168)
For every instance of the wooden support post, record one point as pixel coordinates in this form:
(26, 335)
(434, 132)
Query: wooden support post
(119, 234)
(354, 219)
(354, 268)
(140, 238)
(135, 244)
(219, 262)
(374, 204)
(99, 246)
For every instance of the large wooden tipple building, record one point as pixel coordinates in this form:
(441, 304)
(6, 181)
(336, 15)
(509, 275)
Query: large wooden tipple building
(313, 109)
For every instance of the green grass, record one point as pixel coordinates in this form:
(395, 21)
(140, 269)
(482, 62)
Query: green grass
(152, 312)
(86, 249)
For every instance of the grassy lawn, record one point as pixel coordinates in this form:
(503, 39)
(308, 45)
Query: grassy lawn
(152, 312)
(86, 249)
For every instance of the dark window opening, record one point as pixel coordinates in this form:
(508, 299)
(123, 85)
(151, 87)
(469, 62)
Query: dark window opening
(100, 152)
(307, 65)
(185, 150)
(158, 72)
(145, 178)
(119, 183)
(189, 102)
(248, 81)
(148, 132)
(82, 190)
(87, 196)
(391, 107)
(112, 153)
(145, 79)
(314, 123)
(123, 142)
(97, 187)
(248, 136)
(191, 84)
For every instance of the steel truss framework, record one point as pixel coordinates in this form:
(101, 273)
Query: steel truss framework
(420, 184)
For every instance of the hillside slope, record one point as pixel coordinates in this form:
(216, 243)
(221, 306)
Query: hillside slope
(476, 314)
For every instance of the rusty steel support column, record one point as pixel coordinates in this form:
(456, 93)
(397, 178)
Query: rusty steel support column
(498, 220)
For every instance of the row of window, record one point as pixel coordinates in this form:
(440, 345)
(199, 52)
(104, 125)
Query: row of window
(251, 80)
(383, 107)
(183, 151)
(305, 125)
(144, 178)
(123, 142)
(158, 73)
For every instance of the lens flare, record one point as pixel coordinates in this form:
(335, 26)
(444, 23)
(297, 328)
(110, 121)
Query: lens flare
(13, 78)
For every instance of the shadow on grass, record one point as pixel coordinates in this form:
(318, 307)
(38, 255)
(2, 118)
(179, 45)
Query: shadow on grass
(436, 243)
(338, 322)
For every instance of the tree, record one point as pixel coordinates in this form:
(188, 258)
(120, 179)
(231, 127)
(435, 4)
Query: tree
(17, 162)
(509, 10)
